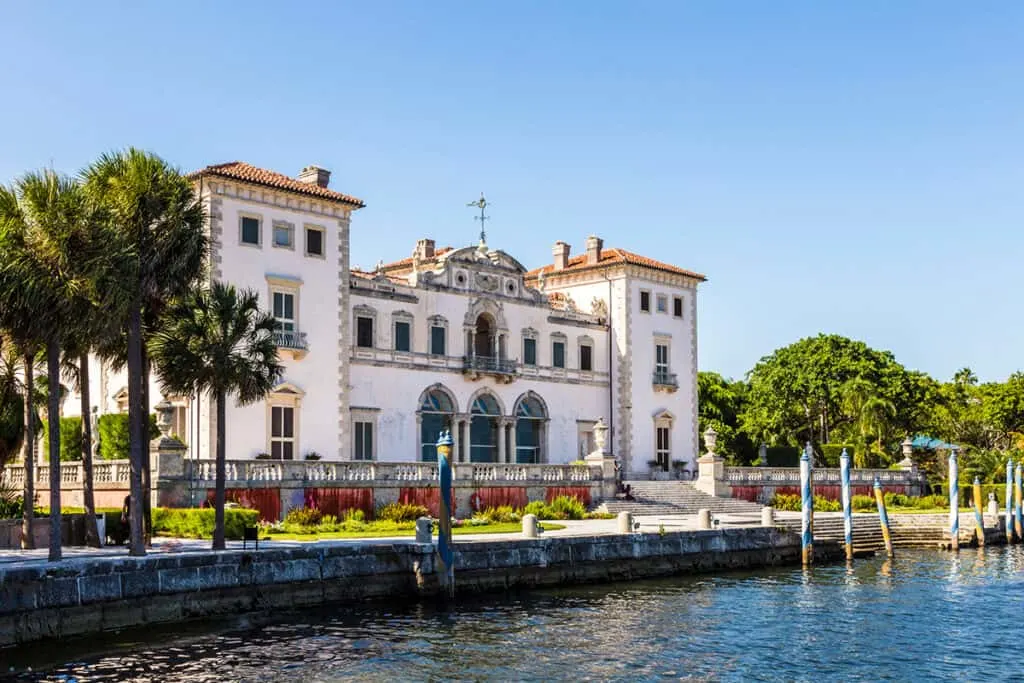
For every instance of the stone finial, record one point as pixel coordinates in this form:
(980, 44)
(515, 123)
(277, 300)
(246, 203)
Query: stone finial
(600, 435)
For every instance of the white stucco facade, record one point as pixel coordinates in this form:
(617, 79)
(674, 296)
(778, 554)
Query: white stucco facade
(518, 364)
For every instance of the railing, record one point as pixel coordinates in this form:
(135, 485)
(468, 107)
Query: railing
(72, 474)
(790, 476)
(257, 471)
(663, 378)
(498, 366)
(290, 339)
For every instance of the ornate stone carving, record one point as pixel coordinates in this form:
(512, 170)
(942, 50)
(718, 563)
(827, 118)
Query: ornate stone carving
(599, 307)
(487, 282)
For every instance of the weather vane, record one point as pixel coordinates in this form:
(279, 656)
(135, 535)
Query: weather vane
(482, 205)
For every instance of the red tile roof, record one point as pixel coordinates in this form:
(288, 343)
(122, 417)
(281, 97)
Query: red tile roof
(612, 257)
(239, 170)
(405, 265)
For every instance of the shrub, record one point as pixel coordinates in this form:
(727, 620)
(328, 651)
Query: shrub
(113, 431)
(70, 439)
(566, 507)
(794, 503)
(925, 502)
(354, 515)
(830, 452)
(898, 500)
(863, 503)
(402, 512)
(10, 501)
(198, 522)
(303, 517)
(537, 508)
(826, 505)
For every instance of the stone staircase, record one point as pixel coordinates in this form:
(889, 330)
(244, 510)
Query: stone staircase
(674, 498)
(908, 531)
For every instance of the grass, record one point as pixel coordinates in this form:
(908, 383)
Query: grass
(913, 511)
(506, 528)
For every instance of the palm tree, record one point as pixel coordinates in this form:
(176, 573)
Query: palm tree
(57, 267)
(12, 404)
(160, 223)
(218, 341)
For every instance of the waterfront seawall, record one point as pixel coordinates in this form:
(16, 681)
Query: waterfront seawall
(87, 596)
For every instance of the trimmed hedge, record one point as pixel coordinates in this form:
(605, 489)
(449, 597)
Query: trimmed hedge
(783, 456)
(113, 430)
(70, 439)
(198, 522)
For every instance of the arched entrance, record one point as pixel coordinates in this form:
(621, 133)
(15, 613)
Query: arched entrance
(437, 408)
(483, 429)
(531, 419)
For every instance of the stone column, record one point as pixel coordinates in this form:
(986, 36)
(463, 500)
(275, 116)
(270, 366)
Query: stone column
(501, 440)
(456, 434)
(602, 458)
(512, 453)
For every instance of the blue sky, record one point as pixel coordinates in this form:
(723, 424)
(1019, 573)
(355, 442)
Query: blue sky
(855, 168)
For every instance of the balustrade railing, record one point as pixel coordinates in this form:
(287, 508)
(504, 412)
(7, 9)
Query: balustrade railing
(754, 476)
(497, 366)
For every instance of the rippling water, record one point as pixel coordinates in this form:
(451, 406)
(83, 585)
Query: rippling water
(925, 616)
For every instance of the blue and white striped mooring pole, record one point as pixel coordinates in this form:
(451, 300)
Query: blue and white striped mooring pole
(844, 474)
(806, 508)
(1009, 501)
(954, 501)
(1018, 523)
(445, 553)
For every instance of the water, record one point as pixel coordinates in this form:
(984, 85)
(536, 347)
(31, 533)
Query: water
(926, 616)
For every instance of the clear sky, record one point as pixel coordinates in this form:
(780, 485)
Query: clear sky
(855, 168)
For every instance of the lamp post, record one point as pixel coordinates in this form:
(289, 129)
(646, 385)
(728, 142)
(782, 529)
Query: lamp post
(445, 554)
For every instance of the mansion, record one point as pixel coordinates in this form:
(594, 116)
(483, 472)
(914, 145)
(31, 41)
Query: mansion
(519, 364)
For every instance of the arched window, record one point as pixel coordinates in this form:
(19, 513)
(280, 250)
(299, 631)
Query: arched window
(437, 406)
(483, 428)
(531, 417)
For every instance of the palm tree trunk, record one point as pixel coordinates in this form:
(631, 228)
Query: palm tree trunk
(92, 534)
(137, 443)
(53, 424)
(147, 486)
(27, 539)
(219, 495)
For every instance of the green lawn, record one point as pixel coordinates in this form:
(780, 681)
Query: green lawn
(507, 528)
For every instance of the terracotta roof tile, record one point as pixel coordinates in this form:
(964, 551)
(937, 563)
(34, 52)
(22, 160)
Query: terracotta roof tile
(612, 257)
(239, 170)
(405, 265)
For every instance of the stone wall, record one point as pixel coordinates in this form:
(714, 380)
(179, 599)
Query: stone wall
(77, 597)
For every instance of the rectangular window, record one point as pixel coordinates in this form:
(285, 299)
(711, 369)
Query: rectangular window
(282, 432)
(284, 235)
(437, 340)
(558, 354)
(250, 230)
(663, 450)
(364, 332)
(284, 311)
(677, 306)
(586, 358)
(529, 352)
(662, 303)
(364, 441)
(402, 330)
(661, 359)
(645, 302)
(314, 242)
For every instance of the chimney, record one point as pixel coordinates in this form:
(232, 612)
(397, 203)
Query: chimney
(561, 252)
(314, 175)
(594, 245)
(425, 248)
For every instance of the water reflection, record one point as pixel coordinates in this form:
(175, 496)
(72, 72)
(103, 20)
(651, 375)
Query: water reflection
(918, 618)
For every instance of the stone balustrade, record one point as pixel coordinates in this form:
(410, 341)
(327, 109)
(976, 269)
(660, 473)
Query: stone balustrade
(790, 476)
(242, 473)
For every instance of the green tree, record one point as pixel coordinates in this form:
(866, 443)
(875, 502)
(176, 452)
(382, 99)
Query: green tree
(159, 223)
(720, 402)
(797, 393)
(218, 341)
(12, 404)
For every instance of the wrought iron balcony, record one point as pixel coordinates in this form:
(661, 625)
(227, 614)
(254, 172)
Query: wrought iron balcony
(489, 365)
(291, 341)
(664, 380)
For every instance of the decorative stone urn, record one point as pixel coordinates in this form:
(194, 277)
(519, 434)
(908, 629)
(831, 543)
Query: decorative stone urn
(167, 461)
(908, 452)
(711, 468)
